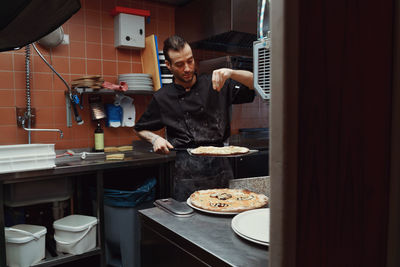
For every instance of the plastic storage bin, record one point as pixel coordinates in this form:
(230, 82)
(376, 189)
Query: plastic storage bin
(26, 157)
(25, 244)
(75, 234)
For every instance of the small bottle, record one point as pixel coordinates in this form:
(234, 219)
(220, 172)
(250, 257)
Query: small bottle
(98, 138)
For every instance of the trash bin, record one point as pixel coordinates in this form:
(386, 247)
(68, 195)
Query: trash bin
(122, 225)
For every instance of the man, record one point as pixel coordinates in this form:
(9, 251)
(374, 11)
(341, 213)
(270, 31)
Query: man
(195, 111)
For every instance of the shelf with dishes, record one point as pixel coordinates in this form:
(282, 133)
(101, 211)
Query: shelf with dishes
(94, 85)
(139, 91)
(129, 83)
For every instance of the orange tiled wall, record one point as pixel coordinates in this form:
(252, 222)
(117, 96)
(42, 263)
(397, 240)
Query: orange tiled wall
(91, 51)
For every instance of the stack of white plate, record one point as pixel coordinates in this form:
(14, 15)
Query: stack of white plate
(253, 225)
(166, 78)
(137, 81)
(166, 75)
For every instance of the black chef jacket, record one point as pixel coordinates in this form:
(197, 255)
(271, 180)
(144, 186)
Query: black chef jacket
(196, 117)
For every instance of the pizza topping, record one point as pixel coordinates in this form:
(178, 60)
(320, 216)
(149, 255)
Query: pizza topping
(245, 197)
(224, 196)
(221, 196)
(219, 204)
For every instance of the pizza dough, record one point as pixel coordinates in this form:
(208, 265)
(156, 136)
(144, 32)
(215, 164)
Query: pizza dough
(219, 151)
(228, 200)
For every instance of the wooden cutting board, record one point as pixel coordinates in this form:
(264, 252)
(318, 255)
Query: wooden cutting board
(150, 62)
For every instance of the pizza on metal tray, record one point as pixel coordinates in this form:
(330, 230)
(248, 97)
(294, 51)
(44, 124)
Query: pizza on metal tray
(227, 200)
(220, 151)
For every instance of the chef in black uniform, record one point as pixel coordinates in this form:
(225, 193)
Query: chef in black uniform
(195, 112)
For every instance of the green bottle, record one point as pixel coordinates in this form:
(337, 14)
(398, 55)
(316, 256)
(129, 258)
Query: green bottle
(98, 138)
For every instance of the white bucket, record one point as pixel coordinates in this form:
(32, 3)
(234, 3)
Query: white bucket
(25, 244)
(75, 234)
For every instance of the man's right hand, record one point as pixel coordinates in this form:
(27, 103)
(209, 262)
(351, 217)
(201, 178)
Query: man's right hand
(161, 146)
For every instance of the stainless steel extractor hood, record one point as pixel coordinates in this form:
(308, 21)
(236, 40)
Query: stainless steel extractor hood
(223, 25)
(25, 21)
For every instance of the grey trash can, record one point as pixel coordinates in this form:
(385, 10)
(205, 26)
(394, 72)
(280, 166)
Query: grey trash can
(122, 225)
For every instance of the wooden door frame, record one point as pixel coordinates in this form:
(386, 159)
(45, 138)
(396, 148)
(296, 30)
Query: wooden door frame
(393, 244)
(284, 131)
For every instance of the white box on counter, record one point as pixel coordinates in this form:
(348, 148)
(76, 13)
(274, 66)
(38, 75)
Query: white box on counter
(26, 157)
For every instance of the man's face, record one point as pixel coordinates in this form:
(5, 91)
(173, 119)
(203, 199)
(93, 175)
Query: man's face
(182, 65)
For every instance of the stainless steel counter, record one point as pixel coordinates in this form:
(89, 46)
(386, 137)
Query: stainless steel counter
(74, 165)
(208, 239)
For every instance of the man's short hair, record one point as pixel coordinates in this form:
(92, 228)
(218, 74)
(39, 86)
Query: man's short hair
(175, 43)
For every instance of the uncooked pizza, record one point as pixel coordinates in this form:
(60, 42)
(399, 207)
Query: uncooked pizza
(227, 200)
(219, 151)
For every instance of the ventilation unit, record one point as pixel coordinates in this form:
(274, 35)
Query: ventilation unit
(262, 67)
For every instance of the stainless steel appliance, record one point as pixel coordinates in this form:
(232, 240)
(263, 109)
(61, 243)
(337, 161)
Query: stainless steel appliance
(262, 67)
(262, 52)
(232, 62)
(224, 25)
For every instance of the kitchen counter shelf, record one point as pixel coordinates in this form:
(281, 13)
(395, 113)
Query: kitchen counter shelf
(65, 258)
(73, 166)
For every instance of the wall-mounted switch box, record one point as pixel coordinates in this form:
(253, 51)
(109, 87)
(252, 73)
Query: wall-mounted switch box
(129, 31)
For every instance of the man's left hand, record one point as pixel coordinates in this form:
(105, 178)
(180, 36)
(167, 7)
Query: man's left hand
(219, 77)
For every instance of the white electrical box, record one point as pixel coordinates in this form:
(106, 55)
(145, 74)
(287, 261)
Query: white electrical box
(129, 31)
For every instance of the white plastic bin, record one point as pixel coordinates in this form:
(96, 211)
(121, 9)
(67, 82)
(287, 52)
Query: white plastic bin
(75, 234)
(25, 244)
(26, 157)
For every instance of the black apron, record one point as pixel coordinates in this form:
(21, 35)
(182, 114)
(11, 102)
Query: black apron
(193, 173)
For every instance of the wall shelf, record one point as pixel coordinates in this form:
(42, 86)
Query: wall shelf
(107, 91)
(82, 91)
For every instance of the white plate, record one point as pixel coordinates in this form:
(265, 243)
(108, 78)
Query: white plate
(253, 225)
(210, 211)
(250, 239)
(135, 81)
(140, 84)
(135, 78)
(135, 89)
(133, 75)
(130, 87)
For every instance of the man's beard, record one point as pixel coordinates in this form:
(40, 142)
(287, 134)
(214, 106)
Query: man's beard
(182, 79)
